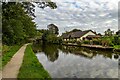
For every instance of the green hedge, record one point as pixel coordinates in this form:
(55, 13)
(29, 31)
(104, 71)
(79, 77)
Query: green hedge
(86, 42)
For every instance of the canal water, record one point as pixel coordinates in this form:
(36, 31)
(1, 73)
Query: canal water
(76, 62)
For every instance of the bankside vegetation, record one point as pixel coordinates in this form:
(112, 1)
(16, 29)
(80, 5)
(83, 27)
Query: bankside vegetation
(18, 25)
(8, 52)
(31, 67)
(50, 35)
(17, 21)
(109, 39)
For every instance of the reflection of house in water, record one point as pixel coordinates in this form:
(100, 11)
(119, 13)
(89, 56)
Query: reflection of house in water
(52, 52)
(90, 55)
(86, 52)
(79, 35)
(78, 51)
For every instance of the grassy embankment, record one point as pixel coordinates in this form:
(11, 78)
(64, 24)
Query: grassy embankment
(0, 56)
(31, 68)
(8, 52)
(116, 46)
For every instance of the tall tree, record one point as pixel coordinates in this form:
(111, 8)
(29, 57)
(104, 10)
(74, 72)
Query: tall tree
(16, 24)
(118, 33)
(30, 7)
(17, 21)
(108, 32)
(53, 28)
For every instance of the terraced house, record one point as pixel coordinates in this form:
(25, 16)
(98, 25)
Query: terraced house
(80, 35)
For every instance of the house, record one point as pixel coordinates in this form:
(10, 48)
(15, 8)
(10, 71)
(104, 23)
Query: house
(80, 35)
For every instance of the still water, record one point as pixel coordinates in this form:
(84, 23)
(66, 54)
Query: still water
(76, 62)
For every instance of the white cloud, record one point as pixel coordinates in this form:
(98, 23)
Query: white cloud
(80, 14)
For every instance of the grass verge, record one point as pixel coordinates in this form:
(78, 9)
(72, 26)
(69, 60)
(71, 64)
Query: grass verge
(116, 46)
(9, 53)
(31, 67)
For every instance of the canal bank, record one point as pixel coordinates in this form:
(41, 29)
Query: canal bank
(77, 62)
(31, 67)
(94, 47)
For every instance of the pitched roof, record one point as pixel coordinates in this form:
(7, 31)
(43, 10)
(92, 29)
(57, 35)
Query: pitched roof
(76, 34)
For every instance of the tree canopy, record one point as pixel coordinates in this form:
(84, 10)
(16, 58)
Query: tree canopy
(17, 21)
(16, 24)
(74, 30)
(53, 28)
(118, 33)
(108, 32)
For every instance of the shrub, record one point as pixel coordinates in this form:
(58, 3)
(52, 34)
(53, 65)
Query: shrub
(97, 41)
(107, 42)
(78, 43)
(116, 40)
(86, 42)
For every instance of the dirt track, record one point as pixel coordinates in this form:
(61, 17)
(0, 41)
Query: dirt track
(12, 68)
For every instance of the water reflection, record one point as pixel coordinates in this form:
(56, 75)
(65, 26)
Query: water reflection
(52, 51)
(71, 61)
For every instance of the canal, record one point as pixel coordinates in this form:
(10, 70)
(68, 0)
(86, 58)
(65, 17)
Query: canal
(76, 62)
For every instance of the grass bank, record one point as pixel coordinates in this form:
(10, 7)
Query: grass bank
(116, 46)
(0, 56)
(8, 52)
(31, 67)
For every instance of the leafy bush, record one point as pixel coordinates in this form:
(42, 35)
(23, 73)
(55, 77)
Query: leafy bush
(97, 41)
(5, 48)
(116, 46)
(86, 42)
(116, 40)
(78, 43)
(16, 24)
(107, 41)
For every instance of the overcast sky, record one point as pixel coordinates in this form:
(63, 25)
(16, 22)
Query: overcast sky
(97, 15)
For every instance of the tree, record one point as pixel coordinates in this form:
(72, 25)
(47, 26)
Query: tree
(118, 33)
(108, 32)
(116, 40)
(17, 21)
(44, 36)
(53, 29)
(106, 41)
(99, 34)
(30, 7)
(17, 25)
(74, 30)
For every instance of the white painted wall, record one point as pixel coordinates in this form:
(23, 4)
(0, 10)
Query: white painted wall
(78, 39)
(89, 33)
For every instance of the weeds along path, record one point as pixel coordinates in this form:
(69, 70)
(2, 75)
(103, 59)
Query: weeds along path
(11, 69)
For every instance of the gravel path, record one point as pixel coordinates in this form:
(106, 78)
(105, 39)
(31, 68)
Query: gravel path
(12, 68)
